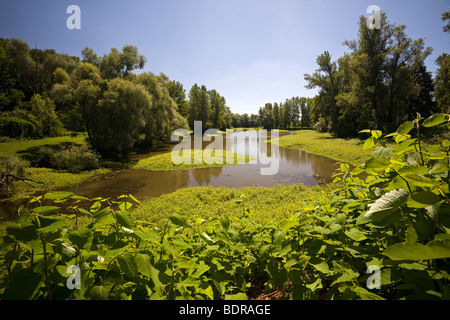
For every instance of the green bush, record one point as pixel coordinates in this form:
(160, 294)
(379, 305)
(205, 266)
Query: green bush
(14, 127)
(75, 159)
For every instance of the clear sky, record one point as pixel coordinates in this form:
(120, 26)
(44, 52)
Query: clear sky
(251, 51)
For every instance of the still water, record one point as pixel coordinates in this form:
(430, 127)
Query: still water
(295, 166)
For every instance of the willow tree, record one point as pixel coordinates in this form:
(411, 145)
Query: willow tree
(162, 118)
(119, 117)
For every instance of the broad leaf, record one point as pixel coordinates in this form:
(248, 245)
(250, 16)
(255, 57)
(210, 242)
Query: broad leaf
(436, 249)
(435, 120)
(387, 204)
(124, 219)
(179, 220)
(405, 128)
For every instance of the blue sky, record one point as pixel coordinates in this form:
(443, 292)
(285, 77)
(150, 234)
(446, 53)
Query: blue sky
(250, 51)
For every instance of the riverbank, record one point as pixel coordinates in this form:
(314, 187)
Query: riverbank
(346, 150)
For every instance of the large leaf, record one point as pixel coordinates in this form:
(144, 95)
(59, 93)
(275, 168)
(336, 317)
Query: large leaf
(405, 127)
(128, 265)
(23, 286)
(124, 219)
(385, 205)
(45, 210)
(377, 163)
(179, 220)
(436, 249)
(435, 120)
(423, 199)
(57, 195)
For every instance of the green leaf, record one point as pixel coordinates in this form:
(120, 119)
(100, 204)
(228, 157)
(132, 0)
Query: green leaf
(236, 296)
(385, 205)
(143, 264)
(400, 137)
(79, 237)
(57, 195)
(355, 234)
(436, 249)
(23, 286)
(124, 219)
(370, 143)
(25, 231)
(405, 128)
(128, 265)
(381, 151)
(423, 199)
(103, 218)
(178, 220)
(44, 210)
(435, 120)
(134, 199)
(365, 294)
(376, 134)
(378, 163)
(446, 143)
(418, 180)
(52, 227)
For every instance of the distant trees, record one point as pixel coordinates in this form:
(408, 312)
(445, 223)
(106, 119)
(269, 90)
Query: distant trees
(293, 113)
(209, 107)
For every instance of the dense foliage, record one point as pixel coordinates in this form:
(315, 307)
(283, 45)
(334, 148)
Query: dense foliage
(385, 235)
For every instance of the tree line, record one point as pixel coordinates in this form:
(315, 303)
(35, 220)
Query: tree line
(381, 82)
(44, 93)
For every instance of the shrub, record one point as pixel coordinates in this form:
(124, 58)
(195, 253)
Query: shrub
(14, 127)
(75, 159)
(10, 165)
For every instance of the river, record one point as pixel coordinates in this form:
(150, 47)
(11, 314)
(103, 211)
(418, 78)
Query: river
(295, 166)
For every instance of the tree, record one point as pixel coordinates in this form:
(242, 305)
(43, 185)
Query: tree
(199, 107)
(325, 79)
(218, 104)
(276, 116)
(162, 118)
(90, 56)
(178, 94)
(442, 79)
(43, 109)
(119, 117)
(116, 63)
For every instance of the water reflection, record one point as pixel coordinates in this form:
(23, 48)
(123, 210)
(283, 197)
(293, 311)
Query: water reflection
(295, 166)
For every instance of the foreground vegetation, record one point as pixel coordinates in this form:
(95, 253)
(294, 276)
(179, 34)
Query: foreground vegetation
(385, 237)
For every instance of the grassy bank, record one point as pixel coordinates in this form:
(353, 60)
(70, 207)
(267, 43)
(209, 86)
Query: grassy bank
(164, 161)
(267, 205)
(21, 147)
(346, 150)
